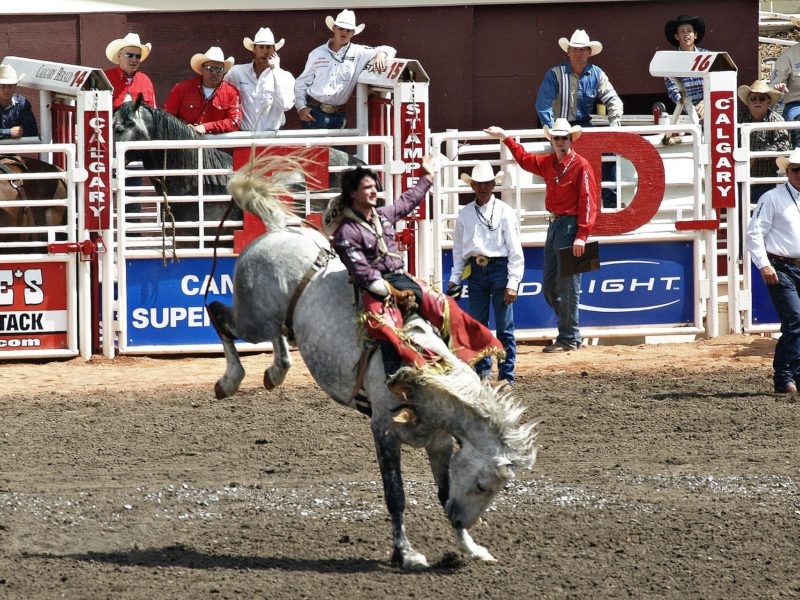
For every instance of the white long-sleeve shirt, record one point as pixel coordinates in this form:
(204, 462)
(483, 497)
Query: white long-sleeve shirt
(775, 226)
(265, 98)
(331, 77)
(473, 238)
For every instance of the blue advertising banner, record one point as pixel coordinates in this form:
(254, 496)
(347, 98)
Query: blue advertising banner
(763, 310)
(165, 303)
(637, 284)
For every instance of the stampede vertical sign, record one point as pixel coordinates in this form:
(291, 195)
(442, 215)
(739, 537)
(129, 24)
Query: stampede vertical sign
(96, 121)
(413, 146)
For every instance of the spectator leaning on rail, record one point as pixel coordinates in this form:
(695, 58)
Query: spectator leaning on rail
(128, 54)
(786, 78)
(571, 198)
(207, 103)
(16, 115)
(265, 89)
(331, 73)
(570, 91)
(686, 32)
(773, 236)
(488, 253)
(759, 99)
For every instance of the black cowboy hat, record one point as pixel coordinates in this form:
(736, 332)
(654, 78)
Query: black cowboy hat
(671, 28)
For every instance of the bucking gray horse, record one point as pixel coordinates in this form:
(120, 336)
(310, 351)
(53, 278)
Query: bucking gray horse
(289, 284)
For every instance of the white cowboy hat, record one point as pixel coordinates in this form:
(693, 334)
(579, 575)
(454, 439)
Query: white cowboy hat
(8, 75)
(759, 87)
(264, 37)
(132, 39)
(213, 54)
(562, 127)
(481, 173)
(792, 159)
(346, 20)
(580, 39)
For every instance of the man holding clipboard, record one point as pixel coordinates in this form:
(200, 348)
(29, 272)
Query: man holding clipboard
(571, 198)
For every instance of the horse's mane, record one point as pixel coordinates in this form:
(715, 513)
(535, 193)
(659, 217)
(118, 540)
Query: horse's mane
(260, 186)
(497, 405)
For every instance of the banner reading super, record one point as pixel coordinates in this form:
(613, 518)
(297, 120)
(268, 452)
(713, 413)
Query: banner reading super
(165, 302)
(33, 306)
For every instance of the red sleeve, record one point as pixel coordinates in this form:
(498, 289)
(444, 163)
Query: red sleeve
(587, 201)
(173, 102)
(527, 160)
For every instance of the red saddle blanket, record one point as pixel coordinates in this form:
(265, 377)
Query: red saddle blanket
(467, 338)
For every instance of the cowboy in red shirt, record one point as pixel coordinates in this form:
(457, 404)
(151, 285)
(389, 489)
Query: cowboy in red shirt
(128, 54)
(207, 103)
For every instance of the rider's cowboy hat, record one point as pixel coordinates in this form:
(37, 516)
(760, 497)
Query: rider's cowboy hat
(759, 87)
(481, 173)
(264, 37)
(213, 54)
(562, 127)
(580, 39)
(8, 75)
(132, 39)
(671, 28)
(792, 159)
(346, 20)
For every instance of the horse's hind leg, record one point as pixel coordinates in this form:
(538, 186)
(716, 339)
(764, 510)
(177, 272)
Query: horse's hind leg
(222, 319)
(439, 454)
(388, 448)
(281, 363)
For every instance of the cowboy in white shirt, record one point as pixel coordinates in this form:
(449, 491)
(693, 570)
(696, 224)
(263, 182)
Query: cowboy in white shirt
(266, 90)
(331, 73)
(773, 237)
(486, 241)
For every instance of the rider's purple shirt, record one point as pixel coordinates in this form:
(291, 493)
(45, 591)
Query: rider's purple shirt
(358, 248)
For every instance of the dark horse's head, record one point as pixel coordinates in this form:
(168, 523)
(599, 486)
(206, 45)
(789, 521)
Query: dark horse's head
(136, 121)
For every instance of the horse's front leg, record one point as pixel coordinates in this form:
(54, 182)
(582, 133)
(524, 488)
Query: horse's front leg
(387, 446)
(281, 362)
(222, 320)
(440, 451)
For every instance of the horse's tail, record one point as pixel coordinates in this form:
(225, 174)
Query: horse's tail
(262, 184)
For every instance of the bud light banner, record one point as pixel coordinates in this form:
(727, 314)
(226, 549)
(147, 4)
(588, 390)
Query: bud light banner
(165, 303)
(637, 284)
(763, 310)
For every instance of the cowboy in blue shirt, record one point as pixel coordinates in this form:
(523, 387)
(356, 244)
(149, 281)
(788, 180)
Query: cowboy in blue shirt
(16, 115)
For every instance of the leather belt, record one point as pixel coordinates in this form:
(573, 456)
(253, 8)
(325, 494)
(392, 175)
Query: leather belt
(484, 261)
(328, 109)
(554, 217)
(783, 260)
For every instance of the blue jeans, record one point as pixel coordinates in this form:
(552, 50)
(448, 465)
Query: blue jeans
(562, 292)
(786, 298)
(487, 285)
(791, 112)
(323, 120)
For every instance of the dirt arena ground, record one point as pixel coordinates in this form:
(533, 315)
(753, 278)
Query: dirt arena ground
(665, 471)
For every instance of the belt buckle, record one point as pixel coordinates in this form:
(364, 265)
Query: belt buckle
(481, 261)
(328, 109)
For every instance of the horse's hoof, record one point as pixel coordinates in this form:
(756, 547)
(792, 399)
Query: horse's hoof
(219, 391)
(415, 561)
(268, 381)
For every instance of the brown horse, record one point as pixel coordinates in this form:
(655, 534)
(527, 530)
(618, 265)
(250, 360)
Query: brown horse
(37, 191)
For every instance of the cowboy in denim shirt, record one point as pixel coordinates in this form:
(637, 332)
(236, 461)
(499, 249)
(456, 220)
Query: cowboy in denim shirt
(16, 114)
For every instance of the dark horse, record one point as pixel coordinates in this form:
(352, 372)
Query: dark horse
(136, 121)
(34, 191)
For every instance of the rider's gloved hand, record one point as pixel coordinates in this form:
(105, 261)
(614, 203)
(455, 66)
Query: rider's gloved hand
(405, 300)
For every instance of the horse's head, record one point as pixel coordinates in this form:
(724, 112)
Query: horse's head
(475, 479)
(133, 122)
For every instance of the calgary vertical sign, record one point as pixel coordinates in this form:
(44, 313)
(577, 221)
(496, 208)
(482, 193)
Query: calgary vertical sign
(723, 141)
(97, 159)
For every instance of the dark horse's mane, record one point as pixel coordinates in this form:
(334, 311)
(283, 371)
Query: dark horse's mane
(161, 125)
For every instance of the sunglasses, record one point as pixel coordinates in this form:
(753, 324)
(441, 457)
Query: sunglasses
(133, 55)
(559, 137)
(337, 28)
(794, 170)
(211, 69)
(755, 98)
